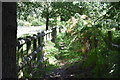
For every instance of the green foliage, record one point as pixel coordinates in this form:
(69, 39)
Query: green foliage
(101, 61)
(34, 23)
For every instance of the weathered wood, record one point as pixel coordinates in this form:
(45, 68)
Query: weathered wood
(49, 35)
(28, 56)
(34, 46)
(9, 35)
(42, 39)
(37, 53)
(20, 42)
(24, 41)
(39, 44)
(39, 40)
(41, 34)
(45, 37)
(28, 45)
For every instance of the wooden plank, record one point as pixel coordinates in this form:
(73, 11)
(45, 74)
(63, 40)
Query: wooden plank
(41, 45)
(38, 40)
(34, 46)
(28, 45)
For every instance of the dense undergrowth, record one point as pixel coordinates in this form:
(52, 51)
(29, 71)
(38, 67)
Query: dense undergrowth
(93, 57)
(87, 48)
(101, 60)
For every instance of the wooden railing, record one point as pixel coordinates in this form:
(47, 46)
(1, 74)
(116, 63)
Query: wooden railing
(29, 49)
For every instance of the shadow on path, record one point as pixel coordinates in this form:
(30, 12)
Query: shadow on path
(74, 71)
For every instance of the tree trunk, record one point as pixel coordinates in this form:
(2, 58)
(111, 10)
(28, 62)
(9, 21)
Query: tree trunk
(0, 40)
(47, 21)
(9, 32)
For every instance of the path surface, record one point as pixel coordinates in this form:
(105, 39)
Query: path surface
(74, 71)
(21, 30)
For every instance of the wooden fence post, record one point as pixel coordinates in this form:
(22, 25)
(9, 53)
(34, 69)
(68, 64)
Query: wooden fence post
(39, 45)
(28, 47)
(42, 43)
(42, 39)
(109, 39)
(50, 35)
(39, 40)
(47, 36)
(34, 46)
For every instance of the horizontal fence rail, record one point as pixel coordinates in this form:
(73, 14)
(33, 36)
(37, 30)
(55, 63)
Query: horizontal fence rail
(23, 41)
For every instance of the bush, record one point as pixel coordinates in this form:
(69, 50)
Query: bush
(20, 22)
(27, 24)
(35, 23)
(23, 23)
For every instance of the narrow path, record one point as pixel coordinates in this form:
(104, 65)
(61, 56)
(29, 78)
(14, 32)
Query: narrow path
(76, 69)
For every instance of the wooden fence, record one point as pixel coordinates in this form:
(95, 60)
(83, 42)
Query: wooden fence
(29, 49)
